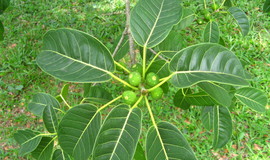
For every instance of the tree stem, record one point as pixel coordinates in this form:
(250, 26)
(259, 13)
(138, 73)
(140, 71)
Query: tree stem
(122, 81)
(131, 42)
(162, 82)
(144, 61)
(120, 42)
(124, 68)
(107, 104)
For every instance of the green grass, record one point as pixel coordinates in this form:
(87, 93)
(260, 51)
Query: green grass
(27, 21)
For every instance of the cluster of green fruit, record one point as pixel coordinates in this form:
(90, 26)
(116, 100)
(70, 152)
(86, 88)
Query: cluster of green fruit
(135, 79)
(206, 14)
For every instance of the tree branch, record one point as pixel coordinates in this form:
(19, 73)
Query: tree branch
(131, 42)
(158, 55)
(120, 42)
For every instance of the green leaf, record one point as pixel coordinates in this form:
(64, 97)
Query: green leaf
(139, 154)
(152, 20)
(253, 98)
(216, 92)
(199, 99)
(266, 6)
(179, 99)
(50, 119)
(241, 18)
(78, 130)
(1, 31)
(86, 89)
(3, 5)
(75, 56)
(222, 126)
(98, 95)
(119, 134)
(211, 32)
(28, 140)
(64, 93)
(60, 155)
(160, 67)
(207, 117)
(165, 142)
(44, 149)
(172, 44)
(206, 63)
(123, 49)
(187, 19)
(221, 41)
(228, 3)
(40, 101)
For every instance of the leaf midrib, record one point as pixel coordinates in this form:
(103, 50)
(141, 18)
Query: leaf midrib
(122, 131)
(236, 94)
(153, 28)
(87, 64)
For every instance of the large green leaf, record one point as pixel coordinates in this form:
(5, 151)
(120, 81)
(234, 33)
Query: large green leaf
(266, 6)
(222, 126)
(50, 119)
(166, 142)
(3, 5)
(40, 101)
(241, 18)
(207, 117)
(1, 31)
(75, 56)
(187, 19)
(152, 20)
(179, 99)
(253, 98)
(119, 134)
(211, 32)
(160, 67)
(28, 140)
(64, 93)
(206, 62)
(44, 149)
(78, 130)
(97, 94)
(199, 99)
(173, 43)
(60, 155)
(216, 92)
(139, 154)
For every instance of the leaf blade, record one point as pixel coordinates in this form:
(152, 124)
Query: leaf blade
(119, 135)
(241, 19)
(44, 149)
(40, 101)
(28, 140)
(211, 32)
(60, 155)
(253, 98)
(147, 20)
(207, 117)
(216, 92)
(206, 62)
(50, 119)
(222, 126)
(165, 141)
(75, 56)
(78, 130)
